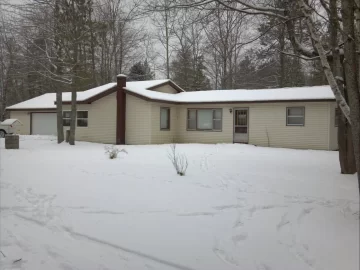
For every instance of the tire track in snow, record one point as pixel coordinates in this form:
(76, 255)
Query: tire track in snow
(127, 250)
(81, 236)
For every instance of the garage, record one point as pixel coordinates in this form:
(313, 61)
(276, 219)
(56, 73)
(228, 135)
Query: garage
(43, 123)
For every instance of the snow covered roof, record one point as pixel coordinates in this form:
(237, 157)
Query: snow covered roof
(240, 95)
(81, 96)
(9, 122)
(47, 101)
(141, 89)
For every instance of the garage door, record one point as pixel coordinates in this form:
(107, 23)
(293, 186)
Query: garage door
(43, 124)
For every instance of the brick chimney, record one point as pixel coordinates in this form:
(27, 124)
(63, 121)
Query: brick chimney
(120, 109)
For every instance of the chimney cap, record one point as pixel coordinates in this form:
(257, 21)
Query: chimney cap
(121, 76)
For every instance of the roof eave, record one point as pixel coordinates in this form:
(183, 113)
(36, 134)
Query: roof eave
(30, 109)
(226, 102)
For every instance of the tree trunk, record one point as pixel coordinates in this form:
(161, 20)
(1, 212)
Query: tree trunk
(307, 12)
(351, 76)
(60, 128)
(73, 96)
(357, 37)
(282, 61)
(167, 40)
(352, 116)
(59, 114)
(346, 150)
(73, 116)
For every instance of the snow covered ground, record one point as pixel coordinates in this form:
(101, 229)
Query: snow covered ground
(238, 207)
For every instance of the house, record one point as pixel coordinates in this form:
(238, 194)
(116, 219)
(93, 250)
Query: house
(159, 111)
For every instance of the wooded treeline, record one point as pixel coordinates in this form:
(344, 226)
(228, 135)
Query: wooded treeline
(198, 49)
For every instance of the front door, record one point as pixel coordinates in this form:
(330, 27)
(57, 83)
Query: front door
(241, 125)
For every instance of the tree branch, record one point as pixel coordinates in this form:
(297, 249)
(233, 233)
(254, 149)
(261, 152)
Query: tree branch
(299, 56)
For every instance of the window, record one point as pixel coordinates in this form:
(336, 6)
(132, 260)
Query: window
(295, 116)
(337, 116)
(164, 118)
(204, 119)
(66, 118)
(191, 120)
(82, 118)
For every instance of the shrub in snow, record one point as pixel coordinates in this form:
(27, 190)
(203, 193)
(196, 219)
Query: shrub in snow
(179, 161)
(112, 151)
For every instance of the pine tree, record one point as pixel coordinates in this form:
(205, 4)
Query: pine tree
(188, 73)
(140, 71)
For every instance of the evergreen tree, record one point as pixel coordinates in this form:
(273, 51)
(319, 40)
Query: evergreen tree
(188, 72)
(246, 76)
(140, 71)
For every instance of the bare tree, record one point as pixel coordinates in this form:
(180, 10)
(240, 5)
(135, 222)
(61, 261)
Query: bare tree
(224, 31)
(188, 66)
(164, 20)
(120, 35)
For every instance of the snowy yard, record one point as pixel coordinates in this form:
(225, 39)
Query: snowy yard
(238, 207)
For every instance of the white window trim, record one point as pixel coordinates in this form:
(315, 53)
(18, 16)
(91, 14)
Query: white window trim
(87, 119)
(295, 116)
(196, 119)
(76, 118)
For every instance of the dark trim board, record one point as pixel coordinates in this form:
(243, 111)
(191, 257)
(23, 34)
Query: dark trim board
(37, 110)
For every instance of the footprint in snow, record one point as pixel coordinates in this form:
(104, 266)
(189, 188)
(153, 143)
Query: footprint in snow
(263, 266)
(303, 213)
(284, 221)
(239, 238)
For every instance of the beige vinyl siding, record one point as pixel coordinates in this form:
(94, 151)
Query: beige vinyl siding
(333, 130)
(265, 118)
(163, 136)
(24, 117)
(138, 121)
(101, 120)
(268, 123)
(165, 89)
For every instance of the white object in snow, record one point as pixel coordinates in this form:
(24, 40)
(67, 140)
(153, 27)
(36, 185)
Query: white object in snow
(9, 122)
(8, 126)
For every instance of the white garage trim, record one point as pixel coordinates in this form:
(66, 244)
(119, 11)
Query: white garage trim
(43, 123)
